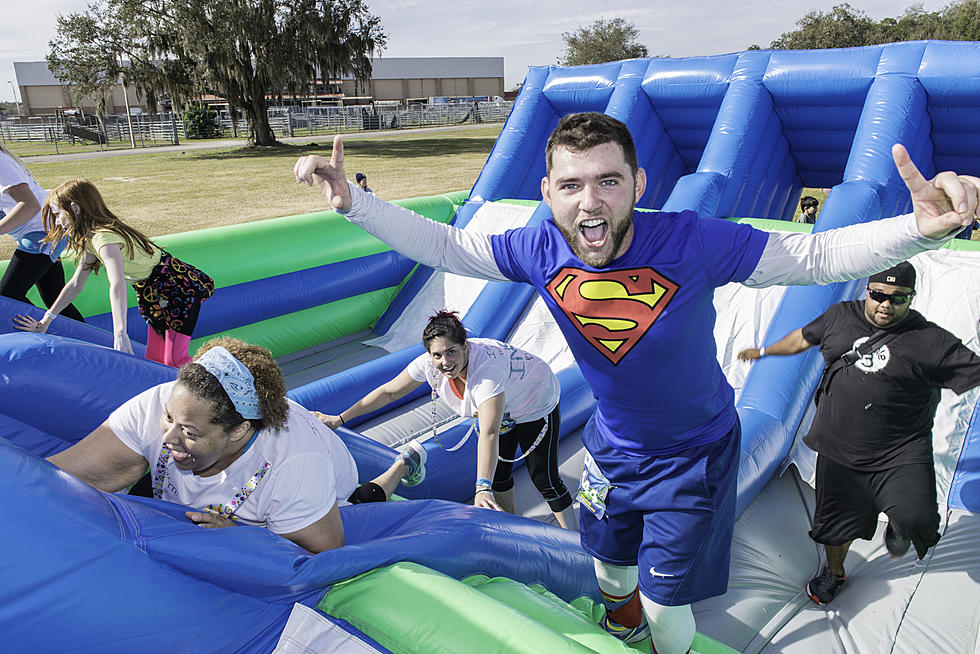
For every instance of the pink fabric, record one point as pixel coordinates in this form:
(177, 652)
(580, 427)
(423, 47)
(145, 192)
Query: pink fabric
(170, 349)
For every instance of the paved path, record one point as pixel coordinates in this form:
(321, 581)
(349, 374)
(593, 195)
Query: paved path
(211, 145)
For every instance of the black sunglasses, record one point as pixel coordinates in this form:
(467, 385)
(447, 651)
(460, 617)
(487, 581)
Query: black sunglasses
(897, 299)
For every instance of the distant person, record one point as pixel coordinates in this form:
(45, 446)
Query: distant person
(226, 440)
(808, 207)
(512, 394)
(35, 262)
(873, 427)
(169, 291)
(361, 180)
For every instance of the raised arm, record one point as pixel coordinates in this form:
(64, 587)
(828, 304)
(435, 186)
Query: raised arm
(941, 207)
(102, 460)
(431, 243)
(792, 343)
(383, 395)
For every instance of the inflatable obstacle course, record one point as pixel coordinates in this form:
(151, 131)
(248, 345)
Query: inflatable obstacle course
(732, 135)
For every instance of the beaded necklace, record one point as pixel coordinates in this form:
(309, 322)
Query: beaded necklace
(226, 510)
(505, 426)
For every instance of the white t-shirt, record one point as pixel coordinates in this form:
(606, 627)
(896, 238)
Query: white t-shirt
(12, 174)
(309, 466)
(530, 389)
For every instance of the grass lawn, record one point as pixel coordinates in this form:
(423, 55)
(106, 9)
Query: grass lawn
(33, 148)
(177, 191)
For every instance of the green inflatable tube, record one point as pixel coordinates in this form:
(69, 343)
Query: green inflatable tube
(411, 609)
(236, 254)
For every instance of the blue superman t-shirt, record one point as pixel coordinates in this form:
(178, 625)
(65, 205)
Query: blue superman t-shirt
(641, 329)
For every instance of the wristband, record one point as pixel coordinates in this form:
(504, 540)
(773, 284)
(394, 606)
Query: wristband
(342, 421)
(482, 490)
(47, 317)
(484, 482)
(762, 352)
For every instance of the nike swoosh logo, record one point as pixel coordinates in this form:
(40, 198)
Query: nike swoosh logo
(654, 573)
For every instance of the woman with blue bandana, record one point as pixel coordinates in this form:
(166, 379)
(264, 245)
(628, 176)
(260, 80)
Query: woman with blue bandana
(226, 440)
(34, 262)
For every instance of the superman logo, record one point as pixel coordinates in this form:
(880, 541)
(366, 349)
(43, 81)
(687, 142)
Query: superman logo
(612, 309)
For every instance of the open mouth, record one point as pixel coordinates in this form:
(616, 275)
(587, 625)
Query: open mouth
(180, 457)
(594, 231)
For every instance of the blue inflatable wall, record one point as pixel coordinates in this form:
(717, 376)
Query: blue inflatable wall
(732, 135)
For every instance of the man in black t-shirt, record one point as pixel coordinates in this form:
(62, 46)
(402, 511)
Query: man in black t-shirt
(873, 425)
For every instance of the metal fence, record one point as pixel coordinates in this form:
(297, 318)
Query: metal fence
(168, 128)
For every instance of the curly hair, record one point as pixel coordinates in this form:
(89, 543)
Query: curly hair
(445, 324)
(584, 131)
(269, 385)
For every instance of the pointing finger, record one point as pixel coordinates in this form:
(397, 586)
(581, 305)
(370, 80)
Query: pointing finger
(337, 156)
(906, 169)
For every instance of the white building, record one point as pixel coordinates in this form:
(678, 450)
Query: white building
(393, 79)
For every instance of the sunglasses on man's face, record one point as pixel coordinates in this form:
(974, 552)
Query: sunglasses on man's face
(897, 299)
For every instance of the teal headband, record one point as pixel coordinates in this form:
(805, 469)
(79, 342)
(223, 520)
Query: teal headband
(235, 378)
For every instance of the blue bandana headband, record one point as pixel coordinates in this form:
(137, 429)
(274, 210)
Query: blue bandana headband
(235, 378)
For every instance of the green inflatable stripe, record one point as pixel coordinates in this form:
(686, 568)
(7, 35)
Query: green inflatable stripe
(956, 244)
(569, 619)
(521, 203)
(411, 609)
(234, 254)
(297, 331)
(578, 620)
(963, 246)
(770, 225)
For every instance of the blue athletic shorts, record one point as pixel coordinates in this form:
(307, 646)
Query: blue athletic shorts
(671, 515)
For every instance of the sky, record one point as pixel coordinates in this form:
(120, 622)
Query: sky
(523, 33)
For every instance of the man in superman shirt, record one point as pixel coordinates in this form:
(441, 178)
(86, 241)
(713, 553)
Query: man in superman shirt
(632, 293)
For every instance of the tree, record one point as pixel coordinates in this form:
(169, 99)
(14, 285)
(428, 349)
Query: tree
(844, 27)
(841, 27)
(241, 50)
(200, 122)
(602, 41)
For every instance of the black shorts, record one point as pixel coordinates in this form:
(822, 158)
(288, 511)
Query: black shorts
(849, 501)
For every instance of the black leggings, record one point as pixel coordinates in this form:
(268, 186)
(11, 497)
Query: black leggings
(27, 269)
(542, 462)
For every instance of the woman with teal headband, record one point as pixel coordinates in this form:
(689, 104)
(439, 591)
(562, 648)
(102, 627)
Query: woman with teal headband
(224, 439)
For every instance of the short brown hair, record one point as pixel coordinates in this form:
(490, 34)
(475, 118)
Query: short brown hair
(584, 131)
(269, 385)
(445, 324)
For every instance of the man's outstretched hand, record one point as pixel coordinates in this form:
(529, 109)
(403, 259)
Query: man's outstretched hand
(943, 204)
(328, 176)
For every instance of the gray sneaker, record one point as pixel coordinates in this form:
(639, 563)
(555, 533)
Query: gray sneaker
(824, 586)
(626, 634)
(413, 454)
